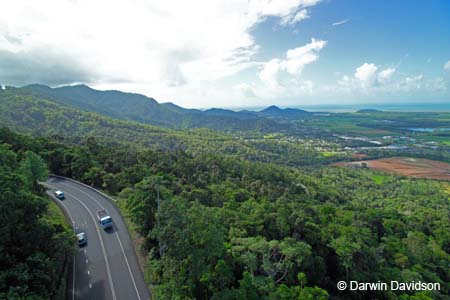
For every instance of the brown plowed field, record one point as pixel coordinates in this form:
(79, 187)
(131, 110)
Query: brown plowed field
(414, 167)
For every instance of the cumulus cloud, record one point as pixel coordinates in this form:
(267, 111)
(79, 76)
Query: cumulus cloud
(370, 79)
(366, 73)
(167, 43)
(447, 66)
(298, 58)
(385, 75)
(369, 75)
(269, 73)
(294, 63)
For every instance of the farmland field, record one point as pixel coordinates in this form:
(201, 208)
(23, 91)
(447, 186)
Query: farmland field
(413, 167)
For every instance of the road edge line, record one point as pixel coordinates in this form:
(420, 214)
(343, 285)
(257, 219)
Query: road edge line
(113, 202)
(118, 239)
(86, 185)
(101, 241)
(68, 215)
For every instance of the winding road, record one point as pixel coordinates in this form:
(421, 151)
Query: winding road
(106, 267)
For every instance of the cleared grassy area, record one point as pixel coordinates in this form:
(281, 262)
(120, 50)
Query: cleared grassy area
(332, 153)
(55, 215)
(378, 178)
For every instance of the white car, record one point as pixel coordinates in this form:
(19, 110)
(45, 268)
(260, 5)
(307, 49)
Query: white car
(59, 195)
(82, 239)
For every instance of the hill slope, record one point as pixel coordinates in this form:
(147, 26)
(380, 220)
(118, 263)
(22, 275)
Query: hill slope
(27, 113)
(139, 108)
(275, 111)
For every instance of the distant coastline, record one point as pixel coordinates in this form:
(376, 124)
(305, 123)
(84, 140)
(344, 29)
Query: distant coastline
(402, 107)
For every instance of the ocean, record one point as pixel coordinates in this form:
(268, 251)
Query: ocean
(402, 107)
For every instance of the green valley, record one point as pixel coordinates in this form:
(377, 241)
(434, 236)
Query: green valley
(254, 215)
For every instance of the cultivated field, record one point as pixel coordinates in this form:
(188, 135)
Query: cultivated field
(414, 167)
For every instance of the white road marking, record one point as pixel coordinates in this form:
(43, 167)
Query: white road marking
(118, 238)
(73, 228)
(86, 261)
(85, 185)
(73, 279)
(101, 241)
(90, 286)
(89, 273)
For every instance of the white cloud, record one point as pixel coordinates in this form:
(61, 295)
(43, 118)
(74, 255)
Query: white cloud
(182, 51)
(340, 22)
(370, 81)
(294, 63)
(386, 75)
(244, 89)
(369, 75)
(294, 19)
(412, 82)
(269, 73)
(280, 77)
(366, 73)
(290, 11)
(447, 66)
(148, 45)
(298, 58)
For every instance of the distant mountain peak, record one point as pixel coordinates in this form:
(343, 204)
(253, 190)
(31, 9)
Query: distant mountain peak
(271, 109)
(37, 85)
(143, 109)
(275, 110)
(82, 85)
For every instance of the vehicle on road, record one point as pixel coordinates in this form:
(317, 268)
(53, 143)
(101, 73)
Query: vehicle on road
(59, 195)
(104, 219)
(82, 239)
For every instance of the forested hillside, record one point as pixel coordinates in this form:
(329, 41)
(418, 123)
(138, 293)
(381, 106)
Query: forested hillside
(139, 108)
(223, 227)
(36, 245)
(34, 115)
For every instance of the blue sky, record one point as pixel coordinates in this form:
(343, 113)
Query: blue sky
(234, 53)
(411, 36)
(414, 33)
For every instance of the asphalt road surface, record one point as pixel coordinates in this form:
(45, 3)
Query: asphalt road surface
(106, 267)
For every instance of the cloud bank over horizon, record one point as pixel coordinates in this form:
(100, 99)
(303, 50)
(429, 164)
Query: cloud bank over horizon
(204, 53)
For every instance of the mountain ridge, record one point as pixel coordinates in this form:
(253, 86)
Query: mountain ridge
(140, 108)
(147, 110)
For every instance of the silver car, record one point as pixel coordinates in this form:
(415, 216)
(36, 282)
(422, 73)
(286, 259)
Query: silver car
(82, 239)
(59, 195)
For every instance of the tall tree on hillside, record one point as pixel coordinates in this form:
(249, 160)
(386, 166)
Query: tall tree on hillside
(34, 169)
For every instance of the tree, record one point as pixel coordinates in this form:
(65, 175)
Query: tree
(34, 169)
(144, 203)
(29, 268)
(158, 183)
(345, 249)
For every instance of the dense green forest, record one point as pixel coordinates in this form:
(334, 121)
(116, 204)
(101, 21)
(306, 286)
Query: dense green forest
(27, 113)
(139, 108)
(35, 243)
(220, 226)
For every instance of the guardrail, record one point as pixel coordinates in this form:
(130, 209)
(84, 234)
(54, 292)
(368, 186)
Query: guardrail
(68, 262)
(83, 184)
(141, 267)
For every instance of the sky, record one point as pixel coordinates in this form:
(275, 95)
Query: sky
(233, 53)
